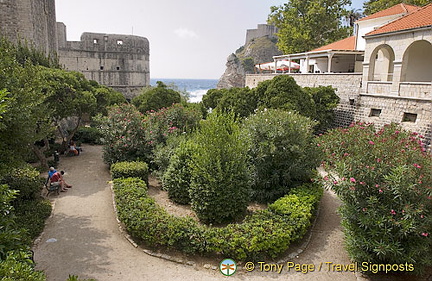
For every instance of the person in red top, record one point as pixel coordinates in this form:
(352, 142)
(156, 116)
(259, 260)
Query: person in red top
(57, 179)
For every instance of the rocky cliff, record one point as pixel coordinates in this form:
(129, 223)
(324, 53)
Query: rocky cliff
(258, 50)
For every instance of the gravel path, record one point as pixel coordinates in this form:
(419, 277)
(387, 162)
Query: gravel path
(82, 237)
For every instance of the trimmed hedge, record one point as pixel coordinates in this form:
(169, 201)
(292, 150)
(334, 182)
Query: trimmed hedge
(265, 233)
(134, 169)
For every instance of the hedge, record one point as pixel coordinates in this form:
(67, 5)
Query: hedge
(134, 169)
(265, 233)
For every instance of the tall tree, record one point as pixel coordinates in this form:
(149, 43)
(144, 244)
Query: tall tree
(373, 6)
(308, 24)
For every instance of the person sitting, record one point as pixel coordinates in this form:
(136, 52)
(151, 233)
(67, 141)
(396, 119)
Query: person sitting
(51, 171)
(73, 148)
(57, 179)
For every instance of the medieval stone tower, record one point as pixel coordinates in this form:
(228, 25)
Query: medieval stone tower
(33, 20)
(117, 61)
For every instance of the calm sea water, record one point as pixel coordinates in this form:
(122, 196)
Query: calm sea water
(195, 87)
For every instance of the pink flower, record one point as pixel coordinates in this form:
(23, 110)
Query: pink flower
(371, 142)
(393, 212)
(352, 180)
(379, 160)
(380, 191)
(326, 178)
(362, 183)
(425, 234)
(318, 144)
(352, 188)
(335, 182)
(377, 185)
(421, 216)
(417, 166)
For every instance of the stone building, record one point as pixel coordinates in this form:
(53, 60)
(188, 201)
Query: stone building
(118, 61)
(32, 20)
(262, 30)
(394, 82)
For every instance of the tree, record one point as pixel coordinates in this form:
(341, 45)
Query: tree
(308, 24)
(373, 6)
(155, 98)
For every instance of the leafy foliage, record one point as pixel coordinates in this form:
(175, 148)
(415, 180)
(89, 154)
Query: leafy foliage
(219, 188)
(156, 98)
(130, 170)
(89, 135)
(374, 6)
(325, 100)
(19, 266)
(308, 24)
(26, 180)
(281, 153)
(384, 181)
(266, 233)
(177, 177)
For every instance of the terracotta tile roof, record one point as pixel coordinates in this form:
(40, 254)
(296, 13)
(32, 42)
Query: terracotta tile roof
(401, 9)
(419, 18)
(344, 44)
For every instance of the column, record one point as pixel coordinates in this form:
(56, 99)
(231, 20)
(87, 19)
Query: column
(397, 73)
(329, 64)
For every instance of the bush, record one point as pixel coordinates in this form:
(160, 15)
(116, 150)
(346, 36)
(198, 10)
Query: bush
(31, 215)
(219, 189)
(130, 170)
(177, 178)
(263, 234)
(26, 180)
(281, 152)
(326, 101)
(88, 135)
(124, 135)
(384, 180)
(19, 266)
(156, 98)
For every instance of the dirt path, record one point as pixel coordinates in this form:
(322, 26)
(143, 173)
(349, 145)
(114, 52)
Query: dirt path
(82, 237)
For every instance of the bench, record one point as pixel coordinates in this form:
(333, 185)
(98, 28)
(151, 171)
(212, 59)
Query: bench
(52, 187)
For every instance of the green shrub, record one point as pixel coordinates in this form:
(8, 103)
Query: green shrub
(31, 215)
(263, 234)
(124, 135)
(10, 235)
(177, 178)
(384, 181)
(219, 189)
(326, 101)
(281, 152)
(155, 98)
(18, 266)
(88, 135)
(130, 170)
(26, 180)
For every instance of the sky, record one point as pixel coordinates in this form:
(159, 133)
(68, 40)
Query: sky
(188, 38)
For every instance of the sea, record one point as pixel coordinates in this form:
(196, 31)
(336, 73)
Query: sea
(196, 88)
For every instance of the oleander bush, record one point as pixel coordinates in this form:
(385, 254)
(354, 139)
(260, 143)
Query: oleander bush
(282, 153)
(134, 169)
(219, 188)
(263, 234)
(177, 178)
(123, 132)
(384, 180)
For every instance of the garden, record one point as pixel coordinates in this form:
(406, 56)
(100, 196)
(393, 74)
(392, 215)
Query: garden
(239, 147)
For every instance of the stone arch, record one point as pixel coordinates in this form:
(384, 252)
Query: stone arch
(381, 63)
(416, 62)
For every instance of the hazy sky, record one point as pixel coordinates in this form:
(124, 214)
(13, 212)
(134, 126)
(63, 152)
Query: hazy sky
(188, 39)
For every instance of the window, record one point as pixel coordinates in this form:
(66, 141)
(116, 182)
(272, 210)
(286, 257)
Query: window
(409, 117)
(118, 67)
(101, 68)
(95, 41)
(375, 112)
(351, 101)
(119, 42)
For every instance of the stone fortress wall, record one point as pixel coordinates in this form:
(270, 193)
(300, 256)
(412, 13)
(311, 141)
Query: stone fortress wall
(262, 30)
(33, 20)
(117, 61)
